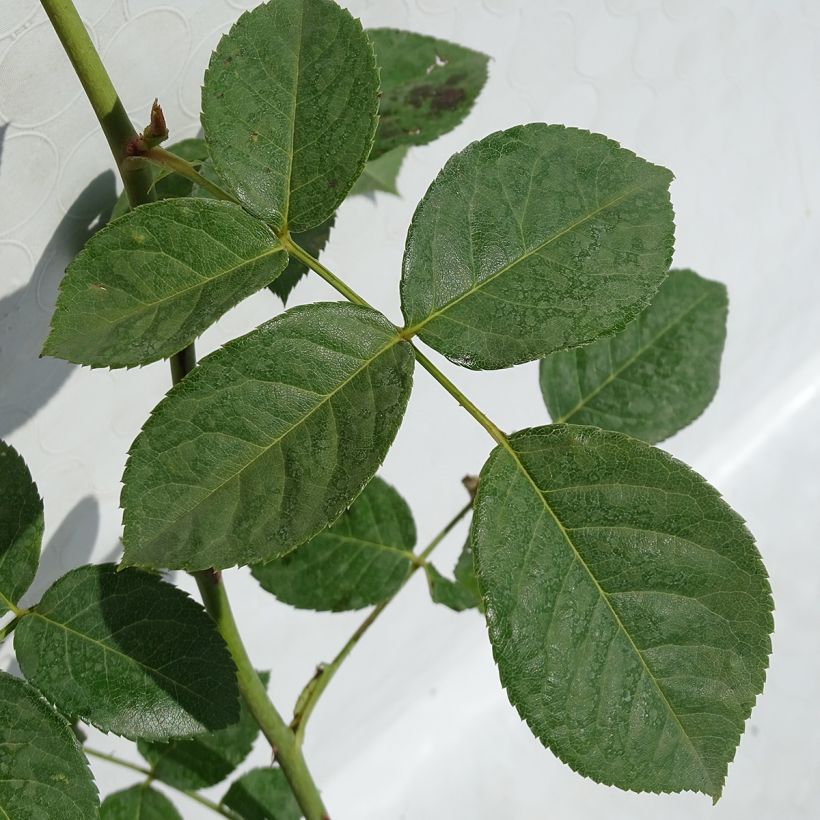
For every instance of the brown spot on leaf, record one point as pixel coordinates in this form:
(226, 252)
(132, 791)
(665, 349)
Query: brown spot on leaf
(446, 98)
(418, 95)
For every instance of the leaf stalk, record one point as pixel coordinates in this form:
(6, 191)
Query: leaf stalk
(313, 690)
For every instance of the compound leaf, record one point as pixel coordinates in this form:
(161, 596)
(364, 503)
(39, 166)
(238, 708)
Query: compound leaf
(262, 794)
(267, 441)
(627, 606)
(535, 239)
(128, 653)
(381, 174)
(428, 87)
(140, 802)
(150, 282)
(21, 527)
(361, 559)
(44, 772)
(655, 376)
(202, 761)
(289, 109)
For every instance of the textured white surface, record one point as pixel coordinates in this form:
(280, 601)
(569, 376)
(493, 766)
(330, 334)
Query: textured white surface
(416, 725)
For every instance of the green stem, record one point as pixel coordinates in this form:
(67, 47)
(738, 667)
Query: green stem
(170, 161)
(118, 761)
(317, 685)
(11, 625)
(315, 265)
(117, 127)
(281, 738)
(480, 417)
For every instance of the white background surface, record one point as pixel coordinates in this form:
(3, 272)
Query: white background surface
(416, 725)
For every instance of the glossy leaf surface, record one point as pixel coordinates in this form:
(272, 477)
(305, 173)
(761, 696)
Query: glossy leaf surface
(262, 794)
(362, 558)
(44, 772)
(627, 606)
(428, 87)
(204, 760)
(267, 441)
(655, 376)
(140, 802)
(150, 282)
(289, 109)
(128, 653)
(535, 239)
(21, 527)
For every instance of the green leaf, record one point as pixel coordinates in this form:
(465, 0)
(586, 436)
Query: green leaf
(532, 240)
(21, 527)
(654, 377)
(201, 761)
(428, 87)
(149, 283)
(128, 653)
(267, 441)
(140, 802)
(43, 772)
(289, 109)
(262, 794)
(627, 605)
(381, 174)
(168, 185)
(451, 594)
(362, 559)
(313, 241)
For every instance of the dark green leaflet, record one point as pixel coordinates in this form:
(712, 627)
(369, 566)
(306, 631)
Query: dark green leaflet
(381, 174)
(627, 606)
(655, 376)
(363, 558)
(140, 802)
(428, 87)
(289, 110)
(43, 771)
(262, 794)
(535, 239)
(21, 527)
(313, 241)
(128, 653)
(267, 441)
(150, 282)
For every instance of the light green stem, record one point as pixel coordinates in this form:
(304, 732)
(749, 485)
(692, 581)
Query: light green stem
(117, 127)
(125, 764)
(171, 162)
(314, 689)
(281, 738)
(315, 265)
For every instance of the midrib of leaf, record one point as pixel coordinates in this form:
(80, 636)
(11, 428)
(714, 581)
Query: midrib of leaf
(630, 361)
(107, 648)
(295, 107)
(406, 554)
(264, 450)
(602, 593)
(414, 329)
(149, 306)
